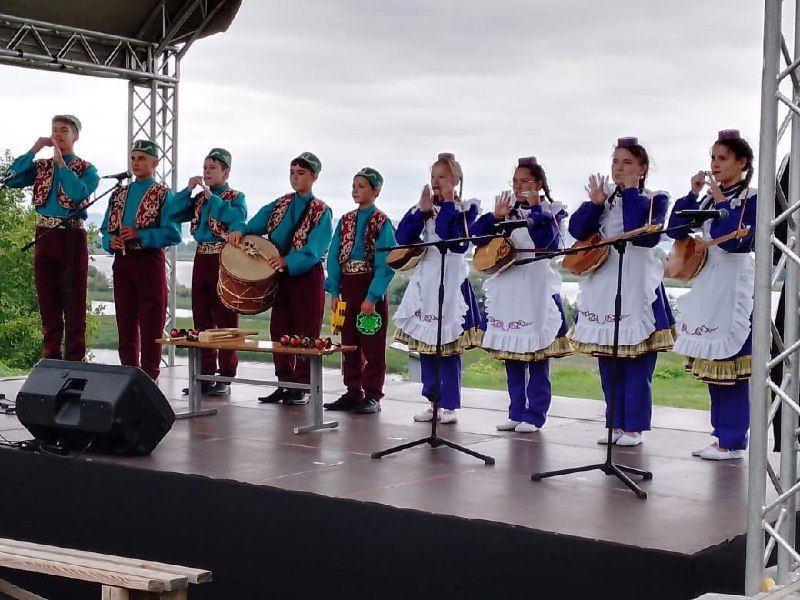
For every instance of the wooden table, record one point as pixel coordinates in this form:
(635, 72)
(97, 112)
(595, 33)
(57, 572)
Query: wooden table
(315, 387)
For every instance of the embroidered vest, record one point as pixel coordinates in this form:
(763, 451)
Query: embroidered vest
(348, 235)
(316, 208)
(45, 173)
(218, 228)
(148, 213)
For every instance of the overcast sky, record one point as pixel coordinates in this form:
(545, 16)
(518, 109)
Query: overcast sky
(390, 84)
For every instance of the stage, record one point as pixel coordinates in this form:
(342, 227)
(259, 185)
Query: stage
(274, 514)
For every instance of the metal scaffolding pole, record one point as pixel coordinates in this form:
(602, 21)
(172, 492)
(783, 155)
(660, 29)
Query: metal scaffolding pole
(771, 524)
(153, 114)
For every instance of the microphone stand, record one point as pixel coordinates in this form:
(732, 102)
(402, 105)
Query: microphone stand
(434, 440)
(609, 467)
(69, 222)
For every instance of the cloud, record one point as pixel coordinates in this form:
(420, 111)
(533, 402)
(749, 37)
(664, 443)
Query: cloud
(390, 84)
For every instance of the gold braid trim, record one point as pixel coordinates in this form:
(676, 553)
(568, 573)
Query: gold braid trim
(660, 340)
(468, 339)
(560, 347)
(719, 372)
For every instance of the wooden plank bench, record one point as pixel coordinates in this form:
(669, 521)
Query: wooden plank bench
(122, 578)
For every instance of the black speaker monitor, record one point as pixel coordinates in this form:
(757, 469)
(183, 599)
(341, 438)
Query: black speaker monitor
(110, 409)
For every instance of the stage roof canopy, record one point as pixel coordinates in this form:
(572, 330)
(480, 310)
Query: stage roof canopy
(106, 37)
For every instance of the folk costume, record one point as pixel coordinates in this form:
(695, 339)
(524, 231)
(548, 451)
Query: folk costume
(301, 227)
(525, 324)
(357, 272)
(416, 317)
(646, 322)
(714, 324)
(139, 273)
(60, 277)
(208, 312)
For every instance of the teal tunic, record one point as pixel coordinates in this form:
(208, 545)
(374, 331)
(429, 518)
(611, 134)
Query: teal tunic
(300, 261)
(76, 188)
(166, 234)
(383, 273)
(182, 211)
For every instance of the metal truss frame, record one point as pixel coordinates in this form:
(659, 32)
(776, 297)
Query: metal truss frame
(152, 70)
(772, 520)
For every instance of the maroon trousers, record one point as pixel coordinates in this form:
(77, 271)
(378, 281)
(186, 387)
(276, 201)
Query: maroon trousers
(364, 369)
(208, 312)
(297, 310)
(140, 299)
(58, 304)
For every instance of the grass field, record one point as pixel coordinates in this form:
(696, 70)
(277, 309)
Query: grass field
(574, 376)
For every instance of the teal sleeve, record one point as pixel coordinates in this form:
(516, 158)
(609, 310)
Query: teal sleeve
(333, 282)
(233, 213)
(104, 231)
(24, 169)
(303, 260)
(181, 208)
(77, 188)
(168, 234)
(257, 225)
(383, 272)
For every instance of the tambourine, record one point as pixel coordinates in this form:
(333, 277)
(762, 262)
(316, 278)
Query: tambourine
(368, 324)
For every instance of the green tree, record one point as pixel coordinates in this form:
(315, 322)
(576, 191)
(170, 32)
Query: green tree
(20, 325)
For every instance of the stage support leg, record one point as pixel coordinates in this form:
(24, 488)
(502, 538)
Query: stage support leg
(195, 389)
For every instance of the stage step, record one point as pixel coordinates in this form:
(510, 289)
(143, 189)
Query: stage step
(121, 578)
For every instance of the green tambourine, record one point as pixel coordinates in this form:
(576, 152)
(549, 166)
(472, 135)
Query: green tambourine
(368, 324)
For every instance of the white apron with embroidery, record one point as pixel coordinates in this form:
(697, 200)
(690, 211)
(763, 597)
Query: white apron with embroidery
(521, 315)
(641, 276)
(714, 319)
(417, 314)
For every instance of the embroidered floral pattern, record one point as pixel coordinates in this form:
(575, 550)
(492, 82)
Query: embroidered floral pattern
(512, 326)
(218, 228)
(44, 181)
(425, 318)
(702, 330)
(313, 215)
(348, 235)
(595, 318)
(148, 213)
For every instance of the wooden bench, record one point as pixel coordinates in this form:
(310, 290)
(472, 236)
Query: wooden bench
(122, 578)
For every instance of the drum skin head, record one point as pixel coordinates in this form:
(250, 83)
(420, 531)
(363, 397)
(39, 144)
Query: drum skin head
(244, 267)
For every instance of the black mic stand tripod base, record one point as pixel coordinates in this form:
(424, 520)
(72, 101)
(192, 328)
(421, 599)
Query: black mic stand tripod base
(609, 467)
(434, 440)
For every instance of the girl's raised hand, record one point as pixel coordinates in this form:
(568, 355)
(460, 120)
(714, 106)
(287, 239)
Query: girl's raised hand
(597, 189)
(426, 199)
(502, 205)
(714, 189)
(698, 182)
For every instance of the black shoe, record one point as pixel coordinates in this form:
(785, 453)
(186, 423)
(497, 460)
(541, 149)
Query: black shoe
(205, 388)
(275, 396)
(220, 389)
(345, 402)
(295, 397)
(369, 406)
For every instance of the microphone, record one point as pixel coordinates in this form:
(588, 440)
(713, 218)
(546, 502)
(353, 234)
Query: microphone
(511, 225)
(703, 215)
(118, 176)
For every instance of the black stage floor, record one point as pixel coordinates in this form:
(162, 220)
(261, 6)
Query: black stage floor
(274, 514)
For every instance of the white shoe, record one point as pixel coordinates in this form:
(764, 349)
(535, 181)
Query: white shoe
(629, 439)
(700, 451)
(508, 425)
(526, 428)
(447, 416)
(426, 415)
(614, 437)
(712, 453)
